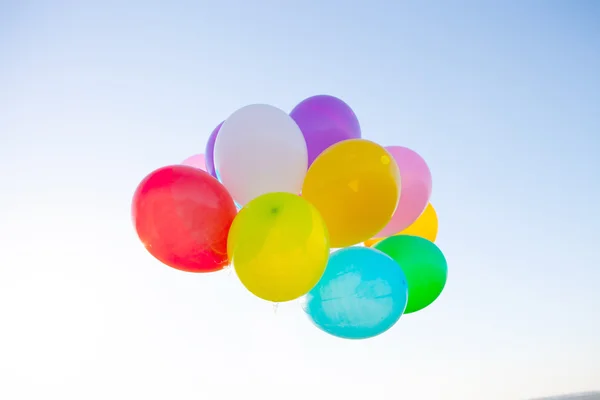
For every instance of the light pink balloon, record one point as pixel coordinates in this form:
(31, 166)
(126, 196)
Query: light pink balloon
(196, 161)
(415, 192)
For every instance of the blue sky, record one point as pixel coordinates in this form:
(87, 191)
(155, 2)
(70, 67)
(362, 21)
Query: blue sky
(500, 98)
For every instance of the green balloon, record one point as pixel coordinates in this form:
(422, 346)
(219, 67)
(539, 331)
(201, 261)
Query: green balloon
(424, 266)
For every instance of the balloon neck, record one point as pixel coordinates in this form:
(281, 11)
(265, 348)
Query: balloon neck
(275, 307)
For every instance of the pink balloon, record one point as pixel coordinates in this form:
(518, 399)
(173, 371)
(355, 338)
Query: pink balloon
(415, 179)
(196, 161)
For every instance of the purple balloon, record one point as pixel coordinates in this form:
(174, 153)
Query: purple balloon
(210, 151)
(325, 120)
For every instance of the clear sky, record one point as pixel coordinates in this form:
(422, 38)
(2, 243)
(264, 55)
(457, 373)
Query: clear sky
(501, 98)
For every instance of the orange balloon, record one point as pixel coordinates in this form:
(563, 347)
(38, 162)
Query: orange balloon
(373, 242)
(426, 226)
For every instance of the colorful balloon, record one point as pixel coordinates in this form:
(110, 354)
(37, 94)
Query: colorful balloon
(196, 161)
(279, 246)
(424, 266)
(325, 120)
(426, 226)
(210, 151)
(182, 215)
(416, 189)
(355, 185)
(362, 294)
(260, 149)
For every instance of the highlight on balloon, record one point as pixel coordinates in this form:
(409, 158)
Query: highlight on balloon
(302, 206)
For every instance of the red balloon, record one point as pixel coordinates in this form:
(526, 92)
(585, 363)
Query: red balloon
(182, 215)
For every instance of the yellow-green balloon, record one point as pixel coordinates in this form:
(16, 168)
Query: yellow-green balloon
(423, 264)
(279, 246)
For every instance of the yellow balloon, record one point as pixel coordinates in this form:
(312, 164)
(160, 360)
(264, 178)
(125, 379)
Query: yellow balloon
(355, 185)
(426, 226)
(279, 246)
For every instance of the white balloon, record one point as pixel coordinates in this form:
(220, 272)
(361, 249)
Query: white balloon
(260, 149)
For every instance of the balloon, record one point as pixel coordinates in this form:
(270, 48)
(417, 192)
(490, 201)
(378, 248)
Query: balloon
(324, 121)
(279, 246)
(372, 242)
(182, 215)
(426, 226)
(423, 264)
(259, 150)
(416, 189)
(210, 150)
(196, 161)
(362, 294)
(355, 185)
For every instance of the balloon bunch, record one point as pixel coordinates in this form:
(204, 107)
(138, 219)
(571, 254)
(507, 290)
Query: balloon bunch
(274, 193)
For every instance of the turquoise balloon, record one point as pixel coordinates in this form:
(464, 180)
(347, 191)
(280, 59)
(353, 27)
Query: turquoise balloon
(362, 294)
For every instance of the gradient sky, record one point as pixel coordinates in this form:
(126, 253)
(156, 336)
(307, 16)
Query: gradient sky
(501, 98)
